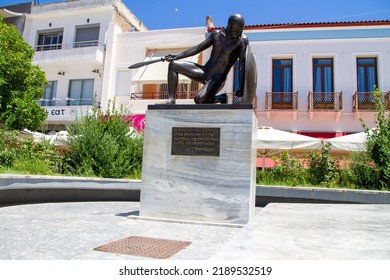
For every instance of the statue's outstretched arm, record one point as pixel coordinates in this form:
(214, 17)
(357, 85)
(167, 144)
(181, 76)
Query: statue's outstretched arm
(208, 42)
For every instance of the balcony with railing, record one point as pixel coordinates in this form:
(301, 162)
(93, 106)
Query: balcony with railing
(325, 101)
(365, 101)
(281, 101)
(163, 95)
(85, 51)
(67, 102)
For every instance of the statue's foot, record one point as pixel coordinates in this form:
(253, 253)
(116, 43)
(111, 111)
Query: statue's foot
(169, 101)
(222, 98)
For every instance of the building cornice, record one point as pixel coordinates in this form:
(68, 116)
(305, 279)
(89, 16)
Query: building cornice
(313, 25)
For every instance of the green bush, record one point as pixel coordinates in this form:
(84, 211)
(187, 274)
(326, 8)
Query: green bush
(265, 177)
(290, 169)
(103, 145)
(287, 171)
(19, 154)
(316, 169)
(378, 140)
(321, 166)
(364, 173)
(7, 157)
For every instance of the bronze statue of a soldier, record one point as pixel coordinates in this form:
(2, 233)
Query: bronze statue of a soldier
(228, 45)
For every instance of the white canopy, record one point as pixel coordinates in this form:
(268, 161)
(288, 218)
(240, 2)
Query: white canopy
(271, 141)
(58, 139)
(157, 73)
(269, 138)
(350, 143)
(7, 13)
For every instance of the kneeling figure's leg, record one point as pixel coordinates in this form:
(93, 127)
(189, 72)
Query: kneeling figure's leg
(206, 95)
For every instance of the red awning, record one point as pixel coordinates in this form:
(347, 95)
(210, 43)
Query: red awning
(268, 162)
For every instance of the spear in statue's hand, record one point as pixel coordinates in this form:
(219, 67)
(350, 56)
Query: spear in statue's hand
(144, 63)
(169, 58)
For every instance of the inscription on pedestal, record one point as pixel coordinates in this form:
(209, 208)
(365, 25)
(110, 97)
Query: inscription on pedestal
(196, 141)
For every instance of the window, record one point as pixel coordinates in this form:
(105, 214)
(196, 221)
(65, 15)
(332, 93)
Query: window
(323, 75)
(282, 75)
(49, 40)
(81, 92)
(50, 94)
(366, 74)
(87, 36)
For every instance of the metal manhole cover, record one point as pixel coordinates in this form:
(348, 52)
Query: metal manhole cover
(145, 247)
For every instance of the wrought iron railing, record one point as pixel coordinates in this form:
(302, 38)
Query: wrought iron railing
(325, 101)
(179, 95)
(66, 102)
(387, 100)
(72, 45)
(363, 101)
(281, 100)
(162, 95)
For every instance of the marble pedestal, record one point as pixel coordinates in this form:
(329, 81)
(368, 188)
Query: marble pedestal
(199, 163)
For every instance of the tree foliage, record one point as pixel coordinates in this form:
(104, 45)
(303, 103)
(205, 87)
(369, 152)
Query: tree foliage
(378, 141)
(21, 82)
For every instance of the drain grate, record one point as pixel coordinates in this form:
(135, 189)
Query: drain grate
(145, 247)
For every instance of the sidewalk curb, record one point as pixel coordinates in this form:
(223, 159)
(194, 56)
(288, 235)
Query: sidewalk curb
(268, 194)
(21, 189)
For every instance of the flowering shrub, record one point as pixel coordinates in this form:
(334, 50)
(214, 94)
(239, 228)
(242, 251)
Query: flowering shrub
(104, 145)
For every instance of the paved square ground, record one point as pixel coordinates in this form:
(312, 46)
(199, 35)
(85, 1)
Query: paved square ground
(66, 231)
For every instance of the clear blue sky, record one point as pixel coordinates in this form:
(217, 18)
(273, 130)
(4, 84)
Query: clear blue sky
(165, 14)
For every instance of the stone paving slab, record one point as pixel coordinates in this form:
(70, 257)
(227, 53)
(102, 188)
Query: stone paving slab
(66, 231)
(314, 231)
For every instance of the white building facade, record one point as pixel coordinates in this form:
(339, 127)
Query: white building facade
(74, 46)
(140, 87)
(315, 79)
(318, 78)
